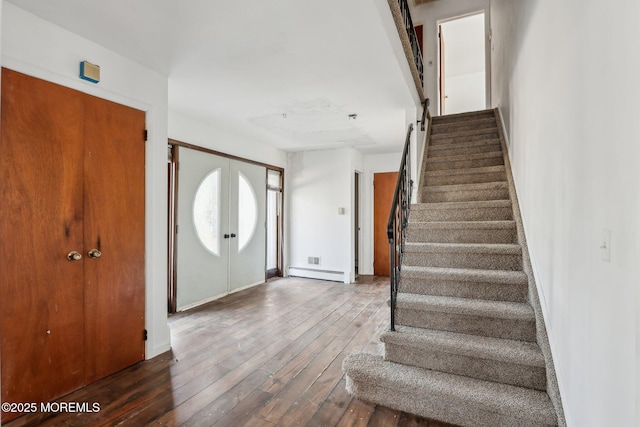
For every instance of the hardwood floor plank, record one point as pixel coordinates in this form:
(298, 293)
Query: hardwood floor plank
(357, 414)
(383, 417)
(304, 379)
(333, 407)
(266, 356)
(220, 407)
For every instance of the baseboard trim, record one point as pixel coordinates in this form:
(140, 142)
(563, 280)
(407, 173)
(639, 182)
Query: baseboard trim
(309, 273)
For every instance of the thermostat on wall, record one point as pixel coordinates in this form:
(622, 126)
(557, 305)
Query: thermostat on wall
(90, 72)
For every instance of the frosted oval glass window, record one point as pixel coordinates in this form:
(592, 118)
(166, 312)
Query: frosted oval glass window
(247, 212)
(206, 212)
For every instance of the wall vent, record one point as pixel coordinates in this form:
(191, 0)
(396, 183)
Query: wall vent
(313, 260)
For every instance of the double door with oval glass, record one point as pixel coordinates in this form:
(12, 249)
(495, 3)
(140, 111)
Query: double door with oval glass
(221, 239)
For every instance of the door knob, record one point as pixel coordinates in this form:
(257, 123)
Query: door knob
(94, 253)
(226, 236)
(74, 256)
(233, 235)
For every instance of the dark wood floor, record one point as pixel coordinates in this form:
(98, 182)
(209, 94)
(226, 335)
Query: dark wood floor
(271, 355)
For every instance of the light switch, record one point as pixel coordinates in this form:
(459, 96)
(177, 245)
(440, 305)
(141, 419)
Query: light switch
(341, 211)
(605, 245)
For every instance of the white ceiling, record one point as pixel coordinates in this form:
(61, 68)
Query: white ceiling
(284, 72)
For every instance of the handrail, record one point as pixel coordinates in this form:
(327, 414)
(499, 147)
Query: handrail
(413, 37)
(398, 220)
(425, 116)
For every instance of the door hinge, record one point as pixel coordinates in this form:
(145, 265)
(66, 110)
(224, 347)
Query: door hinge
(146, 135)
(144, 335)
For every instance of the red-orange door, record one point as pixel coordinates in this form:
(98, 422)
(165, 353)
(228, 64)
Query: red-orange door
(66, 322)
(114, 225)
(384, 185)
(41, 291)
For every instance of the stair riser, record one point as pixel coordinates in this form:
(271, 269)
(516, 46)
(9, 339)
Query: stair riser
(472, 178)
(464, 164)
(463, 151)
(441, 128)
(474, 367)
(451, 288)
(430, 196)
(511, 329)
(482, 261)
(439, 407)
(439, 120)
(461, 139)
(496, 235)
(476, 214)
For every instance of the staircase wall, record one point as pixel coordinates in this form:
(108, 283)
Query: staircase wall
(542, 337)
(565, 77)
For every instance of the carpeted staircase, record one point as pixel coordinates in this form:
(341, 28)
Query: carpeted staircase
(465, 349)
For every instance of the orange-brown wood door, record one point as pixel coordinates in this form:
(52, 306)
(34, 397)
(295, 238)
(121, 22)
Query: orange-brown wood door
(41, 317)
(71, 179)
(114, 225)
(384, 185)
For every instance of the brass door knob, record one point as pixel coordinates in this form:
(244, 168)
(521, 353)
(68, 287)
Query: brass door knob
(94, 253)
(74, 256)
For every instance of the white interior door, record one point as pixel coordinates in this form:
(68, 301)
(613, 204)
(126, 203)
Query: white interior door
(220, 244)
(248, 250)
(202, 251)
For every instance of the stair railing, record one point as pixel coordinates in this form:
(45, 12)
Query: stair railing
(413, 37)
(398, 220)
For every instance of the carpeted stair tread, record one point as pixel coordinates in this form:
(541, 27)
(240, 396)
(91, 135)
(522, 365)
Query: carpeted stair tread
(471, 144)
(504, 361)
(504, 277)
(483, 256)
(469, 248)
(454, 225)
(461, 117)
(510, 351)
(475, 156)
(447, 397)
(464, 136)
(475, 204)
(495, 285)
(463, 150)
(458, 126)
(462, 231)
(466, 306)
(475, 175)
(497, 190)
(474, 210)
(465, 171)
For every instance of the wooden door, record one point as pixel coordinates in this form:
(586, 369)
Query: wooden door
(41, 190)
(419, 35)
(114, 225)
(71, 179)
(384, 184)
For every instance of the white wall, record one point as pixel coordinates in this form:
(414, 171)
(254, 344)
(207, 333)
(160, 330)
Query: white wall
(565, 76)
(429, 15)
(373, 163)
(33, 46)
(318, 183)
(186, 129)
